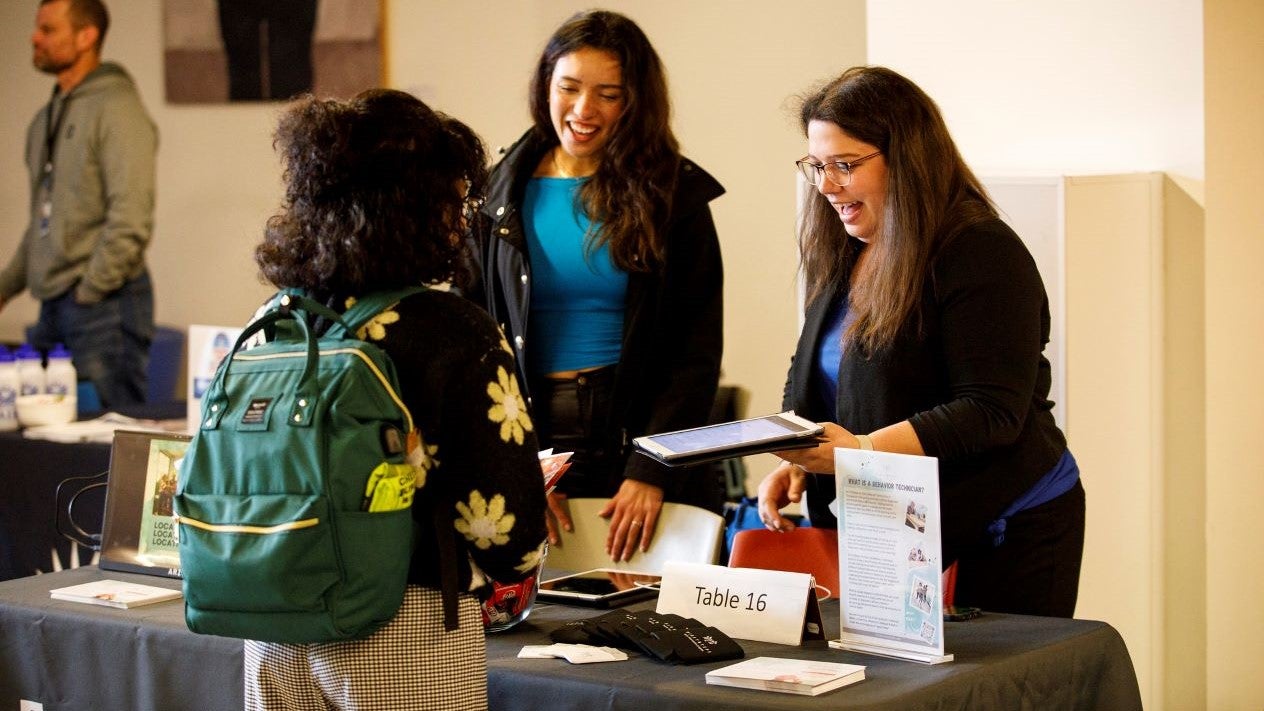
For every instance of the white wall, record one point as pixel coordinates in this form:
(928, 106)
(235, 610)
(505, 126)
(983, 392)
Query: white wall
(1056, 86)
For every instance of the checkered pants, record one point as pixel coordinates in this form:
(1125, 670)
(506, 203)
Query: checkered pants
(411, 663)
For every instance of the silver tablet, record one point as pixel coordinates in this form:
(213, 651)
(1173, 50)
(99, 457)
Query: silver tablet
(600, 587)
(785, 430)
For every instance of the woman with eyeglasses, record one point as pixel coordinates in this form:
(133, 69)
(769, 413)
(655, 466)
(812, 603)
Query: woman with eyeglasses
(600, 261)
(924, 330)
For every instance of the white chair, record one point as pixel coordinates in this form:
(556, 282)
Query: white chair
(684, 533)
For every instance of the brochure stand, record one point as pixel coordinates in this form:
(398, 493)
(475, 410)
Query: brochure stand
(889, 552)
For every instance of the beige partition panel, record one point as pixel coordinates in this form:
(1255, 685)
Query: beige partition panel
(1114, 297)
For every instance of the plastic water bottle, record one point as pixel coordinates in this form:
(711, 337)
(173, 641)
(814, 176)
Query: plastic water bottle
(30, 371)
(60, 377)
(9, 386)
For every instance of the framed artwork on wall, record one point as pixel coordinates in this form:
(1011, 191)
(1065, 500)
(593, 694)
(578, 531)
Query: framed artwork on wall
(218, 51)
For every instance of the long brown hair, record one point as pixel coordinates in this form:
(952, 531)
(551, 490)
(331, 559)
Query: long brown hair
(931, 196)
(629, 198)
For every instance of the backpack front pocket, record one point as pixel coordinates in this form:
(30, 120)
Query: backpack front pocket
(258, 553)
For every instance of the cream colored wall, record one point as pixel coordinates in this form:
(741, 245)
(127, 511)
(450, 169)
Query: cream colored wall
(731, 73)
(1114, 320)
(1183, 539)
(1234, 351)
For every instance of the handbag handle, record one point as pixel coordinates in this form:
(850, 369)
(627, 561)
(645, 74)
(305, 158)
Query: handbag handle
(291, 307)
(294, 305)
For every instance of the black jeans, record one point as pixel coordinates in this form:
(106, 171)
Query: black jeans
(1036, 571)
(574, 416)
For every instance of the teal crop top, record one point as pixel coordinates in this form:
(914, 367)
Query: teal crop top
(577, 299)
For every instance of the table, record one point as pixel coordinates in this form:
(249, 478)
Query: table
(73, 656)
(30, 470)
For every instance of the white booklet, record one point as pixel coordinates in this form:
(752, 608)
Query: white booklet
(115, 593)
(789, 676)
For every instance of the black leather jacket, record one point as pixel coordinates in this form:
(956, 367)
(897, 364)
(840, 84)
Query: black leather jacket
(673, 329)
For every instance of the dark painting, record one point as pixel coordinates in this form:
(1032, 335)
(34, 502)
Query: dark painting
(270, 50)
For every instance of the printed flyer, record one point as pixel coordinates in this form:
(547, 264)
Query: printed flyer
(208, 346)
(889, 551)
(158, 544)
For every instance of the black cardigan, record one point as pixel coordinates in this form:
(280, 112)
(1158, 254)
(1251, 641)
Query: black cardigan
(974, 383)
(673, 333)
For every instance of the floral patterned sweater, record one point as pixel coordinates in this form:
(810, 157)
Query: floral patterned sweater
(477, 455)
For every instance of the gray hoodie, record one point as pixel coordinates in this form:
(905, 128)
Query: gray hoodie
(102, 193)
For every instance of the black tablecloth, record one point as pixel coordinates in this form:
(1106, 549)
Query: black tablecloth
(74, 656)
(30, 470)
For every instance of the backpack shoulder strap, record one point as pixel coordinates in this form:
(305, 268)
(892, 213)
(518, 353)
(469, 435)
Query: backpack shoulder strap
(368, 306)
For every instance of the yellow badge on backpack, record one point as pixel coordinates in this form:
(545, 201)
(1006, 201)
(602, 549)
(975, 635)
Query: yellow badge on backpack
(390, 487)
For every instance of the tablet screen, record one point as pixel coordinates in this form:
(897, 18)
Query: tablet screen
(727, 434)
(597, 583)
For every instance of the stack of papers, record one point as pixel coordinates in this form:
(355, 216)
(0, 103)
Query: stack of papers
(573, 653)
(114, 593)
(101, 429)
(790, 676)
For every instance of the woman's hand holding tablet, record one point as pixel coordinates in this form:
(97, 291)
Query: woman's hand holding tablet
(769, 433)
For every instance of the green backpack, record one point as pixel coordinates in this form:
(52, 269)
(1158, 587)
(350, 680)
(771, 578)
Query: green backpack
(293, 500)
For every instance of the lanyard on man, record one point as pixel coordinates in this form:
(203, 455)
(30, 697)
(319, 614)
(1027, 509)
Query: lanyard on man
(52, 131)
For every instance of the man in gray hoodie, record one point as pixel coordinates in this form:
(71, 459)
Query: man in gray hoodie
(90, 153)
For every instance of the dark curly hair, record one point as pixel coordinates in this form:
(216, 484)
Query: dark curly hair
(374, 192)
(630, 195)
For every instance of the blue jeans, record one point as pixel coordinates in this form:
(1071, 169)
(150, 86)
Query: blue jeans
(108, 341)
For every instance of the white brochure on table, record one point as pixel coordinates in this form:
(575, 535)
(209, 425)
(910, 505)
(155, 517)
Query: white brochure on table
(765, 605)
(889, 555)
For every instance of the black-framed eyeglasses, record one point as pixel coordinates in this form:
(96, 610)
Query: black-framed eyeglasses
(839, 172)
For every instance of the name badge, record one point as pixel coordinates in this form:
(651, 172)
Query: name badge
(45, 218)
(764, 605)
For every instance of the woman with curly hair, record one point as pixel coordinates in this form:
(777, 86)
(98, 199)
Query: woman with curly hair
(601, 263)
(377, 193)
(924, 334)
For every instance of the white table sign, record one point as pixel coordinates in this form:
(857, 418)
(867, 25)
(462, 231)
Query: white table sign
(764, 605)
(889, 554)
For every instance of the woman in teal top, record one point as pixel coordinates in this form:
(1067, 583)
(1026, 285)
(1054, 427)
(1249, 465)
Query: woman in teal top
(598, 234)
(577, 301)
